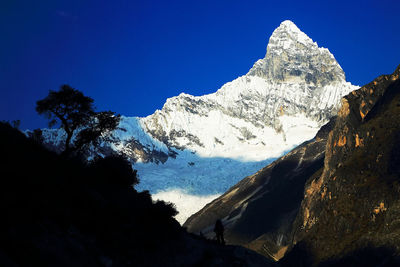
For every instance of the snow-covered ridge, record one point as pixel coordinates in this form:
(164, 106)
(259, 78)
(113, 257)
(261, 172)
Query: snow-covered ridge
(295, 88)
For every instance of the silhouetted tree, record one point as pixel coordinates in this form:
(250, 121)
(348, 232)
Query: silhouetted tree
(16, 124)
(97, 129)
(115, 169)
(75, 113)
(66, 197)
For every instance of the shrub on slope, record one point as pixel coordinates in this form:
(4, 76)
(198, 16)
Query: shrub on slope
(59, 211)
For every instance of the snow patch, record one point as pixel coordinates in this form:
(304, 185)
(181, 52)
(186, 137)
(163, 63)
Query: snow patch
(186, 203)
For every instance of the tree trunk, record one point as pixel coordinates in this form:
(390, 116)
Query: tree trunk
(67, 150)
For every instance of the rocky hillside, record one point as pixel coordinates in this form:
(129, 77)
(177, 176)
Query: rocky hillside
(258, 212)
(350, 212)
(332, 201)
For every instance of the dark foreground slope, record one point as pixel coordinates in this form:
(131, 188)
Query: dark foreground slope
(62, 212)
(258, 211)
(350, 215)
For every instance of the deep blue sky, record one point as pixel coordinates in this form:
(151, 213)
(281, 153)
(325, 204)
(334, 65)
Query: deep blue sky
(132, 55)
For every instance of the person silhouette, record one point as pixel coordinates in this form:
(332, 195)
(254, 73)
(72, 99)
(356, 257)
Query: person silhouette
(219, 232)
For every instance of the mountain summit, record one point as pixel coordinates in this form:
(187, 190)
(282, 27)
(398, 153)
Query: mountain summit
(202, 145)
(292, 55)
(296, 79)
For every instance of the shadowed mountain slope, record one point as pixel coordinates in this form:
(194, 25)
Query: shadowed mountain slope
(350, 213)
(259, 210)
(332, 201)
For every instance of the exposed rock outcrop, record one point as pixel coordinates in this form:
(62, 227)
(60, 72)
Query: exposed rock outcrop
(350, 211)
(349, 207)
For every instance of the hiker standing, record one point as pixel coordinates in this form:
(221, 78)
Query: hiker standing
(219, 232)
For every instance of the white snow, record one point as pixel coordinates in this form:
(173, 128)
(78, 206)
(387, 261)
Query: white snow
(190, 177)
(291, 28)
(132, 127)
(186, 204)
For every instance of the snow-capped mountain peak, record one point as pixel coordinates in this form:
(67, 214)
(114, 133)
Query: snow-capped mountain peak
(296, 79)
(292, 56)
(205, 144)
(287, 34)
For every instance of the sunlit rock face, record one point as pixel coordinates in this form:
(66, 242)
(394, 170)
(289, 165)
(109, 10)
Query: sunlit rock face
(349, 215)
(332, 201)
(202, 145)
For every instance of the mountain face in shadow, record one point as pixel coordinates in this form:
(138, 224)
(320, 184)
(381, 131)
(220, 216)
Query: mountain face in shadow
(59, 211)
(258, 211)
(353, 205)
(332, 201)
